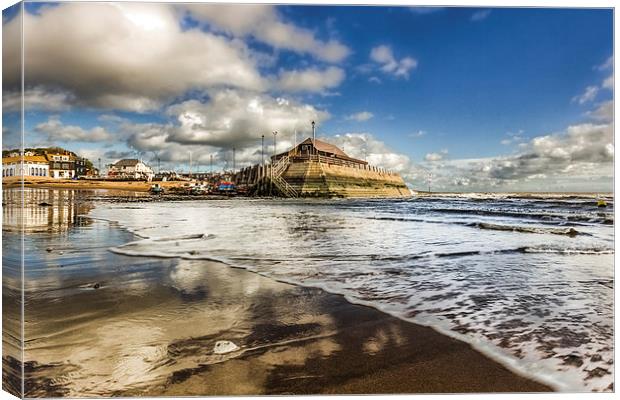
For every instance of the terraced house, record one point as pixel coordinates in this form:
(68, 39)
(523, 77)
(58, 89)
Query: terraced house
(33, 165)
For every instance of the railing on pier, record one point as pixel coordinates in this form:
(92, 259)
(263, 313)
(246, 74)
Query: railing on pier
(277, 170)
(262, 176)
(336, 161)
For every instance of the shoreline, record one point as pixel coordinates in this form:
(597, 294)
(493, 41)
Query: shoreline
(131, 186)
(375, 352)
(371, 352)
(140, 186)
(439, 363)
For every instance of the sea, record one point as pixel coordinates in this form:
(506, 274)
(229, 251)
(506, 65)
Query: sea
(526, 279)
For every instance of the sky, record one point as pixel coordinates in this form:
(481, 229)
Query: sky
(479, 99)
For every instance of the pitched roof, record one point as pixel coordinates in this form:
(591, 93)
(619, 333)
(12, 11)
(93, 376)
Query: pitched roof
(39, 159)
(49, 156)
(128, 162)
(326, 147)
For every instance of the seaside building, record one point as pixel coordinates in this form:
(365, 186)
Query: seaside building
(52, 162)
(61, 165)
(33, 165)
(321, 151)
(83, 167)
(130, 169)
(315, 168)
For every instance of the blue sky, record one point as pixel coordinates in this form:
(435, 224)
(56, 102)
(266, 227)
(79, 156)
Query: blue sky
(423, 91)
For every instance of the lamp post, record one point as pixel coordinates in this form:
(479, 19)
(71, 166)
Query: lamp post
(190, 165)
(430, 177)
(313, 134)
(234, 165)
(262, 149)
(275, 133)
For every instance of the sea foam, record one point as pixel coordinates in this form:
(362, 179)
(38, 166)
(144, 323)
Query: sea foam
(533, 297)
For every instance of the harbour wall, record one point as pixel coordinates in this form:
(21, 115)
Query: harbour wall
(319, 179)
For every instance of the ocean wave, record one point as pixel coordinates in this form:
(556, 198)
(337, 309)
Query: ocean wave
(459, 276)
(601, 218)
(527, 229)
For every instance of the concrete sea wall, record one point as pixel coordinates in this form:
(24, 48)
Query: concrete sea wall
(317, 179)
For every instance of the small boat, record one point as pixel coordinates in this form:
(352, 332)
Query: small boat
(226, 187)
(601, 203)
(198, 190)
(156, 189)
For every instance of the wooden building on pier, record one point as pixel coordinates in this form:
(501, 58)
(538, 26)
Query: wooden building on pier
(317, 150)
(315, 168)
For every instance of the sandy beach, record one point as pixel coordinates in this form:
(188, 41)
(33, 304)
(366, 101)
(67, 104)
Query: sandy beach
(313, 342)
(112, 325)
(83, 184)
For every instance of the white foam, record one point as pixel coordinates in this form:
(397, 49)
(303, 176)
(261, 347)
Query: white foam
(339, 251)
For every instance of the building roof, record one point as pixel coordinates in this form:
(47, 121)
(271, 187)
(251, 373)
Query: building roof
(127, 162)
(326, 147)
(10, 160)
(331, 149)
(50, 155)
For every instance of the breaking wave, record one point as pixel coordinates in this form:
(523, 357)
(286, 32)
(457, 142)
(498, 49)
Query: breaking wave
(536, 297)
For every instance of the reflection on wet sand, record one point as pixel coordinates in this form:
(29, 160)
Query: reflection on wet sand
(12, 343)
(100, 324)
(45, 210)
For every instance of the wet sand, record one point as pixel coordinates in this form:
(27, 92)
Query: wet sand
(104, 324)
(335, 347)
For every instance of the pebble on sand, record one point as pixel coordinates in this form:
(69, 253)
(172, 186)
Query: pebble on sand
(224, 346)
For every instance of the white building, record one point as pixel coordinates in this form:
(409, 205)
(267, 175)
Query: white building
(61, 165)
(32, 165)
(130, 169)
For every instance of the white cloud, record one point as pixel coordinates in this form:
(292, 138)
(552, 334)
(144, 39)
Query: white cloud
(374, 79)
(36, 99)
(310, 80)
(608, 64)
(11, 137)
(131, 56)
(604, 111)
(433, 157)
(232, 117)
(384, 56)
(264, 23)
(360, 116)
(148, 60)
(580, 158)
(588, 95)
(512, 138)
(480, 15)
(365, 146)
(56, 131)
(93, 155)
(592, 91)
